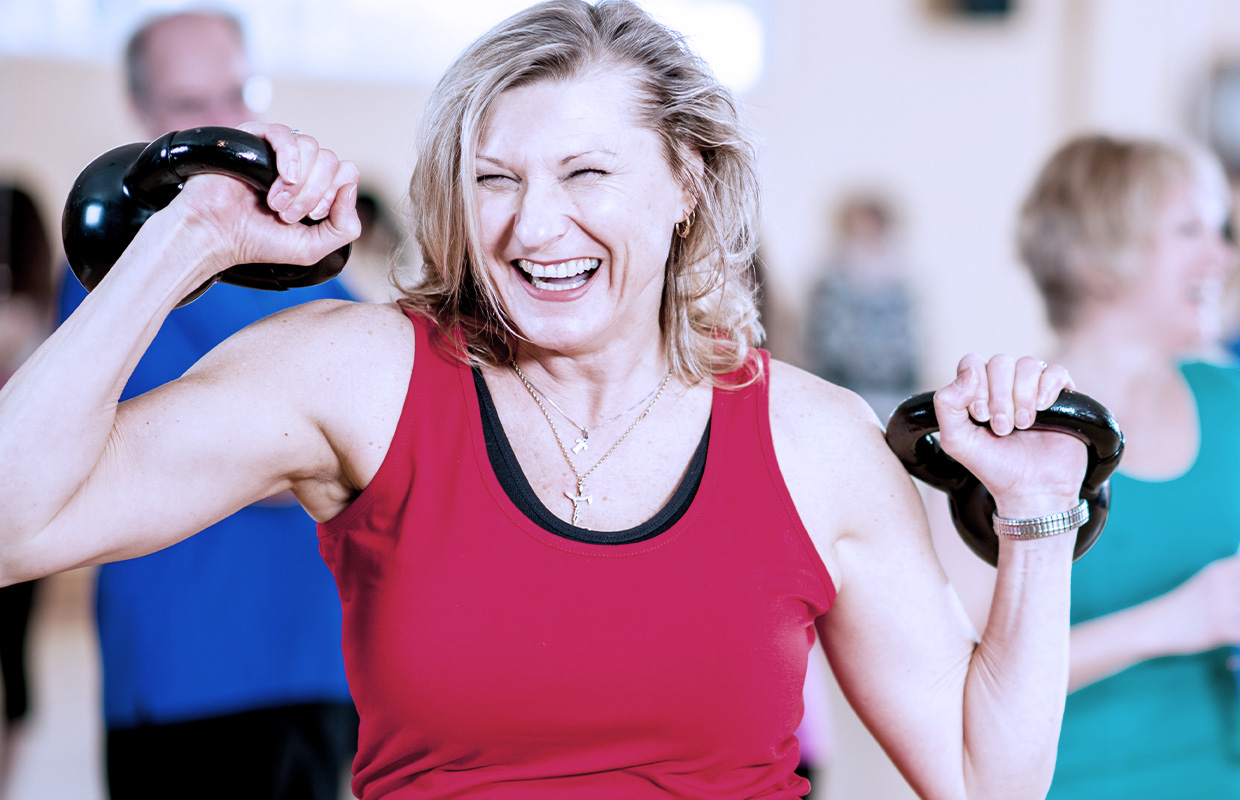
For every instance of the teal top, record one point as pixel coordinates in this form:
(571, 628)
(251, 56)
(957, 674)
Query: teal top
(1167, 727)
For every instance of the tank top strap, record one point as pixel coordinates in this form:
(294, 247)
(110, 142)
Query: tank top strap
(742, 416)
(435, 401)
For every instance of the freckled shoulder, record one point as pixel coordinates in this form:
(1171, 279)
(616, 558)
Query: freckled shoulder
(361, 355)
(347, 365)
(329, 340)
(831, 449)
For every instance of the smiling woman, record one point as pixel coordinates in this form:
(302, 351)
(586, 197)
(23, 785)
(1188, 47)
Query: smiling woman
(627, 618)
(598, 101)
(1125, 239)
(580, 185)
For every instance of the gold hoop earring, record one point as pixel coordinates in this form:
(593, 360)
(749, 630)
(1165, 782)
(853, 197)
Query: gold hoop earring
(682, 227)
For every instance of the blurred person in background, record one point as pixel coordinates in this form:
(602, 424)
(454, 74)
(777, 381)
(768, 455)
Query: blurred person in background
(1124, 239)
(222, 667)
(859, 328)
(26, 318)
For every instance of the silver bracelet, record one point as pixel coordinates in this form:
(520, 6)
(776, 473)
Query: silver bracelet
(1040, 527)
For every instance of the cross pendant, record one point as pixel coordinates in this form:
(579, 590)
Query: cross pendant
(583, 443)
(578, 500)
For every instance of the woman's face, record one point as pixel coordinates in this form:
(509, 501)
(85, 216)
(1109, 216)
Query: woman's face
(576, 208)
(1180, 294)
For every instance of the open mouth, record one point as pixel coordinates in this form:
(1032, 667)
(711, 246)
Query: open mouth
(1205, 292)
(558, 277)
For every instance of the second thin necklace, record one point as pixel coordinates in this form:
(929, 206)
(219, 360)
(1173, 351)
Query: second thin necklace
(581, 497)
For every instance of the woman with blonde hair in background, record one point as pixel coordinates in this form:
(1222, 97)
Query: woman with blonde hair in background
(1124, 238)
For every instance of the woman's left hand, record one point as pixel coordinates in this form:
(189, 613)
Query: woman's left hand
(1029, 473)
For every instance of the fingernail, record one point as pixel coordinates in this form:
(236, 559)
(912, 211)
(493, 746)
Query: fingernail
(294, 172)
(1023, 419)
(1000, 424)
(320, 211)
(281, 201)
(980, 411)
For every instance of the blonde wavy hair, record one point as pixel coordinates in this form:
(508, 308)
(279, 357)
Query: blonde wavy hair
(708, 317)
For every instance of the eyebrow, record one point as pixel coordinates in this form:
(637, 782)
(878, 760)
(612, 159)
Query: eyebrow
(563, 161)
(596, 152)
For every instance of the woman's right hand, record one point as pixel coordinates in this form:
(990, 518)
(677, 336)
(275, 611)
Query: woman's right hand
(237, 226)
(1203, 612)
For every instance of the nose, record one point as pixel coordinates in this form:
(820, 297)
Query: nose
(542, 214)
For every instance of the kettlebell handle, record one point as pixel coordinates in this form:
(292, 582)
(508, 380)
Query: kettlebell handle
(910, 435)
(116, 193)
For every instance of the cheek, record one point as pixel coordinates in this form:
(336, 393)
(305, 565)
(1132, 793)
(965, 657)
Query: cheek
(641, 224)
(494, 224)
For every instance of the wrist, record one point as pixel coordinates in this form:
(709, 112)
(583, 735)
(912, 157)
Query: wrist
(1167, 627)
(200, 248)
(166, 261)
(182, 252)
(1027, 506)
(1043, 526)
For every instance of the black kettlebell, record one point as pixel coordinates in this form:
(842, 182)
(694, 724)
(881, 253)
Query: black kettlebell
(909, 434)
(120, 189)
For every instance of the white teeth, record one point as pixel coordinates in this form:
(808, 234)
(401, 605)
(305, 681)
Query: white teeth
(565, 269)
(558, 287)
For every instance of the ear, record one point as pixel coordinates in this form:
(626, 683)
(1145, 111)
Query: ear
(692, 174)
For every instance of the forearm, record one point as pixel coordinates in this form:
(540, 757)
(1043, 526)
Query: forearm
(57, 412)
(1017, 679)
(1109, 644)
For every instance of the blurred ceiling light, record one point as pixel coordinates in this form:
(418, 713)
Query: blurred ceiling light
(257, 93)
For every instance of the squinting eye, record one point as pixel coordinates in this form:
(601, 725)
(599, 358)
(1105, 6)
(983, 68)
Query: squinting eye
(588, 171)
(491, 180)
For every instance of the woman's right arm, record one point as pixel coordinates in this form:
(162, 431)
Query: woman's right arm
(1198, 615)
(84, 480)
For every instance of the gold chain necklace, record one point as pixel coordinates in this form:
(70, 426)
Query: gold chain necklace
(581, 496)
(583, 442)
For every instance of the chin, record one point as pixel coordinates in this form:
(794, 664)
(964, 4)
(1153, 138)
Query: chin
(559, 334)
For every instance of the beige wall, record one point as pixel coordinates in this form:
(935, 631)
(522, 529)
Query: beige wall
(951, 119)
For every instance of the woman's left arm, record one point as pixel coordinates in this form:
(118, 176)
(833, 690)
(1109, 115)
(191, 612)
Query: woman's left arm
(959, 717)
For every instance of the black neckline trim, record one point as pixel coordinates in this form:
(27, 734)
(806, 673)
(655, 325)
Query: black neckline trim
(517, 486)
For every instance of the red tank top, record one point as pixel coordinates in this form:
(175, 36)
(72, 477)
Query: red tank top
(491, 658)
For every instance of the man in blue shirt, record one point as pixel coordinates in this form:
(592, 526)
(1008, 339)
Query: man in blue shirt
(222, 667)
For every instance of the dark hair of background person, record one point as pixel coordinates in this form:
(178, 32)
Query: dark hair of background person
(25, 252)
(26, 309)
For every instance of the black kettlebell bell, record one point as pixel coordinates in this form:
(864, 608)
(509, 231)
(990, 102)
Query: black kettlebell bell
(120, 189)
(909, 434)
